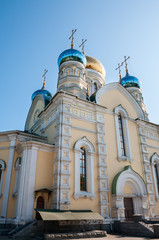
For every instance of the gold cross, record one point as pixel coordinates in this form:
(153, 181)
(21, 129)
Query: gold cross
(72, 37)
(119, 66)
(44, 76)
(82, 45)
(125, 61)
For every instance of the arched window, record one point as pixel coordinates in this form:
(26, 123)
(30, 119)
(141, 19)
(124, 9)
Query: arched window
(122, 134)
(156, 166)
(83, 170)
(155, 172)
(0, 172)
(95, 87)
(2, 168)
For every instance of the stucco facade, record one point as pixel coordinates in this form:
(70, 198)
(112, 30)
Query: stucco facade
(105, 121)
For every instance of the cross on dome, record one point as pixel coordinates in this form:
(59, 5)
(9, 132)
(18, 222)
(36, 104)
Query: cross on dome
(44, 76)
(82, 45)
(119, 66)
(125, 61)
(72, 37)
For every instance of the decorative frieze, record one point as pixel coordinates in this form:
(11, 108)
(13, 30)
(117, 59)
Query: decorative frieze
(83, 114)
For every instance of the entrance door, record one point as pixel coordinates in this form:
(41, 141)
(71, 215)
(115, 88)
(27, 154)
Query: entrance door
(129, 210)
(39, 205)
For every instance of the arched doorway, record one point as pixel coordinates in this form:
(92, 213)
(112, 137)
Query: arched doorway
(39, 205)
(129, 194)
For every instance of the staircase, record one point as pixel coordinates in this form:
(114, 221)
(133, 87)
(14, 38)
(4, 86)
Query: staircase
(148, 226)
(139, 229)
(26, 230)
(5, 228)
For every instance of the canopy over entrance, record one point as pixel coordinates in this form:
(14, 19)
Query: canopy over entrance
(69, 215)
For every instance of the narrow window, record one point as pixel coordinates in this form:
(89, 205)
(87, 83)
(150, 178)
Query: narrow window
(95, 87)
(83, 176)
(68, 72)
(157, 175)
(121, 133)
(0, 172)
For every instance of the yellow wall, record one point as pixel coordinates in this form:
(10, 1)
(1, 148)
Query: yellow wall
(50, 133)
(4, 156)
(113, 98)
(44, 176)
(11, 210)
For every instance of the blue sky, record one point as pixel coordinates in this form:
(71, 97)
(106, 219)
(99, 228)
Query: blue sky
(33, 33)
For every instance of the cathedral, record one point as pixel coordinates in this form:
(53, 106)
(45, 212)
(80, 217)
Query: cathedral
(90, 146)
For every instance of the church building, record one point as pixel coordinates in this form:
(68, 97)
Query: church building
(90, 146)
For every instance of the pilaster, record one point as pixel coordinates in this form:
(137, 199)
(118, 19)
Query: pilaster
(147, 168)
(8, 176)
(102, 166)
(61, 175)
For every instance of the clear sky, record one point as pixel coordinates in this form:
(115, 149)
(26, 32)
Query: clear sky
(34, 32)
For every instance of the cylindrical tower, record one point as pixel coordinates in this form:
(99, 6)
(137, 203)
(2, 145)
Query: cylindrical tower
(133, 85)
(71, 76)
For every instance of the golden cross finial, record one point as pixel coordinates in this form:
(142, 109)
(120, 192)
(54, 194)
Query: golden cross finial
(119, 66)
(82, 45)
(72, 37)
(126, 65)
(44, 76)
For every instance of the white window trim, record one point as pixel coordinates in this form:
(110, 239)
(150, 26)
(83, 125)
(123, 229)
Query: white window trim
(17, 168)
(84, 142)
(120, 110)
(155, 160)
(2, 162)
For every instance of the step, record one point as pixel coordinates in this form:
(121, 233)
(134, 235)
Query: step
(88, 234)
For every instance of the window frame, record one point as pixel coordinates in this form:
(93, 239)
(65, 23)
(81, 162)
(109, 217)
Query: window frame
(89, 148)
(3, 164)
(83, 170)
(17, 168)
(119, 110)
(155, 161)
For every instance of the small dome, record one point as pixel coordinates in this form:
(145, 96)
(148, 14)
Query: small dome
(93, 63)
(71, 55)
(130, 81)
(46, 94)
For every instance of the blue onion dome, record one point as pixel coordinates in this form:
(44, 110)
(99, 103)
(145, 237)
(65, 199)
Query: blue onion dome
(130, 81)
(45, 93)
(71, 55)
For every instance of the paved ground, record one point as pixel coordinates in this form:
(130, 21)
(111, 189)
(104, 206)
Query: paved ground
(109, 236)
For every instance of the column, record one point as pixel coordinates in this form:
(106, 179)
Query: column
(27, 182)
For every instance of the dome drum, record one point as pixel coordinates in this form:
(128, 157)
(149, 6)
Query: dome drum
(71, 69)
(94, 75)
